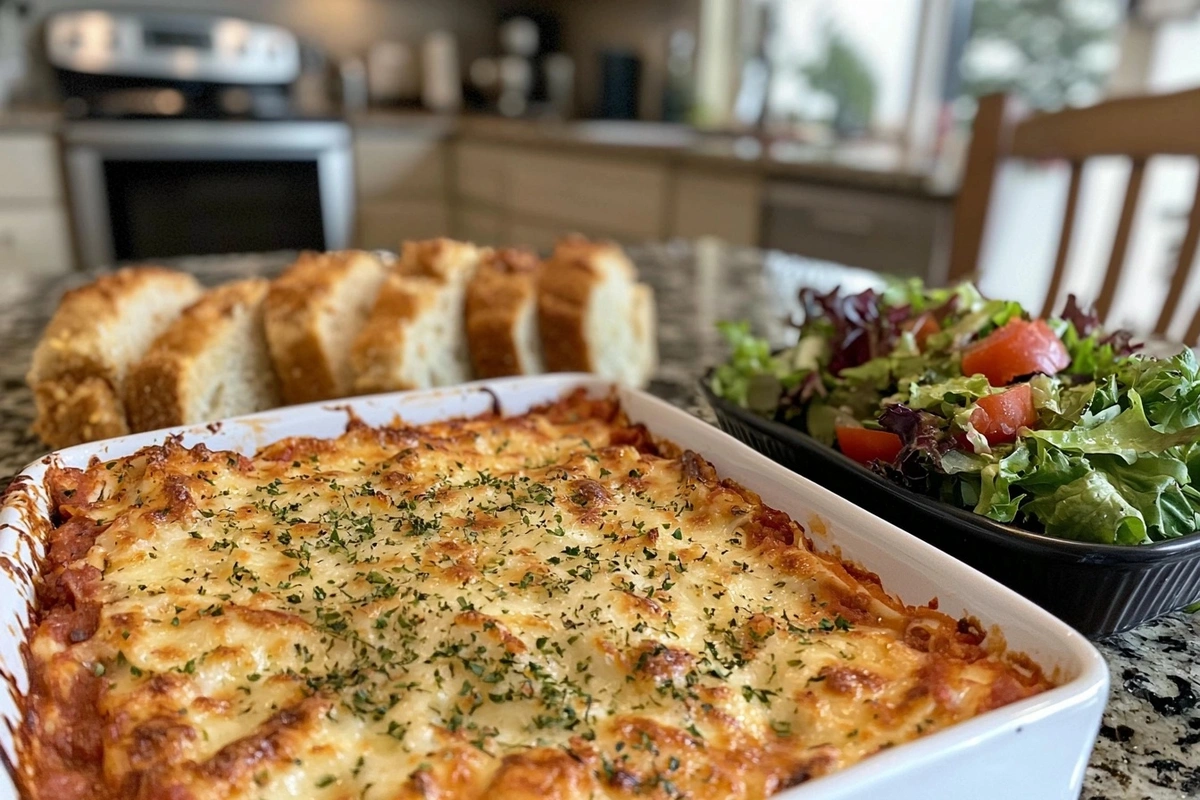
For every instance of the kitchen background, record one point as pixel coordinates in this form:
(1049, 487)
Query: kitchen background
(834, 130)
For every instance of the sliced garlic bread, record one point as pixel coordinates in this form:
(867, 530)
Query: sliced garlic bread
(502, 326)
(212, 363)
(416, 336)
(593, 315)
(313, 312)
(97, 333)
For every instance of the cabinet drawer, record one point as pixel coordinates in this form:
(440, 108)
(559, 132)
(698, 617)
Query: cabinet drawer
(34, 240)
(889, 233)
(728, 207)
(398, 166)
(29, 168)
(481, 226)
(481, 172)
(534, 236)
(384, 226)
(626, 199)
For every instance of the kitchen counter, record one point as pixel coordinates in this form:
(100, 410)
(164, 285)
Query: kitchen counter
(1149, 745)
(867, 165)
(874, 166)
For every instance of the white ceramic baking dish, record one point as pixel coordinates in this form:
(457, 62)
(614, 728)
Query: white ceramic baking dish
(1037, 748)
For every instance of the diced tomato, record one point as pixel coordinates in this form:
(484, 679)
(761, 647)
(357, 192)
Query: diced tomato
(922, 328)
(1000, 416)
(865, 446)
(1018, 348)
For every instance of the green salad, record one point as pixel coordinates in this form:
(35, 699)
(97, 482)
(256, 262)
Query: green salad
(1055, 425)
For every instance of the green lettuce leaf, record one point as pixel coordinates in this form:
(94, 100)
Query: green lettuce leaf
(1059, 406)
(1169, 388)
(991, 314)
(1089, 509)
(947, 397)
(1127, 435)
(753, 377)
(1158, 487)
(1088, 356)
(996, 479)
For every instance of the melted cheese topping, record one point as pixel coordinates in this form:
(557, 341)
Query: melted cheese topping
(493, 608)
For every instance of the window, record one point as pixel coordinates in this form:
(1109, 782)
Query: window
(1052, 53)
(848, 65)
(890, 69)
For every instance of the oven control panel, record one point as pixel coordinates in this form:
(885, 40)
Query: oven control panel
(172, 46)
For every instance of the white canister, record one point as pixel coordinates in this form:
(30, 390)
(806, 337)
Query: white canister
(442, 84)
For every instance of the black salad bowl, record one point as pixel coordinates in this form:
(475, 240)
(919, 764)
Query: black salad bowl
(1099, 589)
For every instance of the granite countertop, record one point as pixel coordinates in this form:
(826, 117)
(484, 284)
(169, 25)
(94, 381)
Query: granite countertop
(1149, 744)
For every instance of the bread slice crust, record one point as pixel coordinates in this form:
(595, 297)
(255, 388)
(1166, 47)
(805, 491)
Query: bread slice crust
(96, 334)
(184, 364)
(594, 316)
(415, 337)
(501, 315)
(312, 312)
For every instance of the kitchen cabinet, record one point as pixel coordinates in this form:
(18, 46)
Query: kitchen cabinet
(34, 239)
(624, 199)
(894, 233)
(518, 195)
(401, 186)
(34, 230)
(481, 173)
(383, 225)
(723, 204)
(482, 226)
(529, 190)
(390, 165)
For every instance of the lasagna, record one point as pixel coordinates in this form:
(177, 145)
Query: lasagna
(554, 605)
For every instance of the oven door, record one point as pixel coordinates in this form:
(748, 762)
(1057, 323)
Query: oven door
(156, 188)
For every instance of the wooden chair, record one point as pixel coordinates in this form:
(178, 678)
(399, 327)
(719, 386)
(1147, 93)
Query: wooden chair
(1136, 128)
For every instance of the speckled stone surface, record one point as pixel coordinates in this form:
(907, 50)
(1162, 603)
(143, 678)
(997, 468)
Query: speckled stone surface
(1149, 744)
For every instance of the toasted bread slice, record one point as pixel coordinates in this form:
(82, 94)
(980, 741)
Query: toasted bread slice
(212, 363)
(416, 336)
(312, 313)
(502, 329)
(594, 316)
(97, 333)
(442, 259)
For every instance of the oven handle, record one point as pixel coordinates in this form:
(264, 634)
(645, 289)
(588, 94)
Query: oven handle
(200, 139)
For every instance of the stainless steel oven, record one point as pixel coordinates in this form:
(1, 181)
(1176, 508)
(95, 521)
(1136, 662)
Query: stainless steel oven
(183, 138)
(144, 189)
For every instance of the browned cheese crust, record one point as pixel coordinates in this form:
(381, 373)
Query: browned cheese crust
(551, 606)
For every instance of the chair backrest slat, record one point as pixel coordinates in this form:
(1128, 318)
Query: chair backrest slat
(1138, 127)
(1064, 239)
(1135, 128)
(1183, 270)
(988, 145)
(1116, 260)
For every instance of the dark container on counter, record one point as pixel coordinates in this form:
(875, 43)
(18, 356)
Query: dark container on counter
(620, 84)
(1099, 589)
